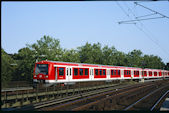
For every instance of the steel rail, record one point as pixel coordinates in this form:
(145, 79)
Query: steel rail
(119, 93)
(159, 101)
(68, 98)
(82, 96)
(130, 106)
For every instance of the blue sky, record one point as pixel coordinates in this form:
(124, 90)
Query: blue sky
(75, 23)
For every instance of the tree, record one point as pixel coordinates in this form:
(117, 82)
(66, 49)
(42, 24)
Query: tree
(86, 53)
(70, 56)
(109, 57)
(47, 48)
(26, 61)
(135, 58)
(91, 53)
(6, 68)
(153, 62)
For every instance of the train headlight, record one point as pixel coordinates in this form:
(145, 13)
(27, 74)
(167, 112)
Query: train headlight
(46, 76)
(35, 75)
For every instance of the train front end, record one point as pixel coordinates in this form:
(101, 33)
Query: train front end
(41, 74)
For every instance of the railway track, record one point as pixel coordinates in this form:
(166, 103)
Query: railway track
(144, 103)
(158, 104)
(98, 98)
(22, 97)
(37, 97)
(108, 100)
(38, 106)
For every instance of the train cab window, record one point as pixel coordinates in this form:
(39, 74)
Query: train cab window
(96, 72)
(61, 71)
(80, 71)
(41, 68)
(87, 72)
(104, 72)
(100, 71)
(75, 71)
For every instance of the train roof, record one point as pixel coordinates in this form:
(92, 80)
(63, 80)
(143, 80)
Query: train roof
(95, 65)
(87, 64)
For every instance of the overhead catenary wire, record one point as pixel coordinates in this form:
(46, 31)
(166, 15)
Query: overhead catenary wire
(146, 15)
(138, 20)
(151, 10)
(147, 35)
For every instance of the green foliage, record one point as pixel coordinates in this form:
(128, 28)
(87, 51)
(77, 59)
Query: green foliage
(6, 68)
(154, 62)
(135, 58)
(47, 48)
(70, 56)
(25, 60)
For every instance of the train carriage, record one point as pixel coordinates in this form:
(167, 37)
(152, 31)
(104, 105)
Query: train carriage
(67, 72)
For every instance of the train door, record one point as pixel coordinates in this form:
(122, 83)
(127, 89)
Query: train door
(122, 73)
(60, 73)
(68, 73)
(108, 73)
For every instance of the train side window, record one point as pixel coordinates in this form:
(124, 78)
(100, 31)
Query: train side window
(104, 72)
(145, 73)
(111, 72)
(159, 73)
(137, 72)
(96, 71)
(80, 71)
(155, 73)
(150, 73)
(87, 72)
(115, 72)
(124, 72)
(75, 71)
(118, 72)
(61, 71)
(100, 71)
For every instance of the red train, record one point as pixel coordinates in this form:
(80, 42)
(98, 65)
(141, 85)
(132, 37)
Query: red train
(50, 72)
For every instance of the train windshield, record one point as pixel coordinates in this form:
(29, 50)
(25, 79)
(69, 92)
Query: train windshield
(41, 68)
